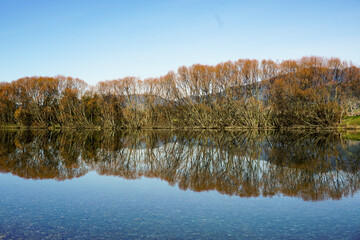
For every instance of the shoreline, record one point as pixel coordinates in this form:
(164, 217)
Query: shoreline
(317, 128)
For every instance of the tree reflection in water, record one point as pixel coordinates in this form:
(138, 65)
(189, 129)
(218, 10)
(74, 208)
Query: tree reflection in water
(312, 166)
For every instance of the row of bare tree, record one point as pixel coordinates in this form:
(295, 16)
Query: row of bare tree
(311, 91)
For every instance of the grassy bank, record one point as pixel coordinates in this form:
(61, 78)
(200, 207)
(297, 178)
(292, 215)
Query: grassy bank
(351, 122)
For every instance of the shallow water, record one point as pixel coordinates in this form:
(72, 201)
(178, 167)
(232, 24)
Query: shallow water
(179, 185)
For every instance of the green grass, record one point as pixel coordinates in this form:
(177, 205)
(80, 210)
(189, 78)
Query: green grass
(352, 121)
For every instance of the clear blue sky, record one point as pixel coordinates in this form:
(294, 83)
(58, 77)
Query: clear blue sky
(102, 40)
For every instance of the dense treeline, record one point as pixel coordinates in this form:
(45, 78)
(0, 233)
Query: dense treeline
(249, 163)
(312, 91)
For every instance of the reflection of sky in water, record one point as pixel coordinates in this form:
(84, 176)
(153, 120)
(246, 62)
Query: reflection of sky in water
(96, 206)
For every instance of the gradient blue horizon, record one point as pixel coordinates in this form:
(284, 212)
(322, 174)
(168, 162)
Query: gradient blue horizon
(103, 40)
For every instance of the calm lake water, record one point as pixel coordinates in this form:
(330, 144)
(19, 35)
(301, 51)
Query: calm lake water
(178, 185)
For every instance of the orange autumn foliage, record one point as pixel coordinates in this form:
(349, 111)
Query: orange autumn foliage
(311, 91)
